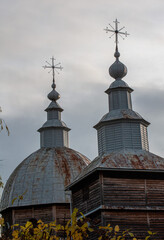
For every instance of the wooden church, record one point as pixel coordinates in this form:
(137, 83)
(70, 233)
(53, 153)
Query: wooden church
(124, 185)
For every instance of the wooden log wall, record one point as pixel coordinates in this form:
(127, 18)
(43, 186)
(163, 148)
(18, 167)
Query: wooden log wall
(21, 216)
(139, 222)
(124, 192)
(94, 196)
(155, 193)
(62, 214)
(133, 193)
(43, 213)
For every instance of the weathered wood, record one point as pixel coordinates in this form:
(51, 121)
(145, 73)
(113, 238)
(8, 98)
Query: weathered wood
(94, 200)
(133, 192)
(130, 200)
(138, 221)
(47, 213)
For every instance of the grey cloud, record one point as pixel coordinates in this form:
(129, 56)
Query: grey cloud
(32, 31)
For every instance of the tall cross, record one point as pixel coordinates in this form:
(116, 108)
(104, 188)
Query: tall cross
(53, 67)
(117, 32)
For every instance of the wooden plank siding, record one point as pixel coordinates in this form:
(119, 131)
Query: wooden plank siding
(131, 200)
(47, 213)
(21, 216)
(62, 214)
(138, 221)
(155, 193)
(133, 193)
(124, 192)
(94, 199)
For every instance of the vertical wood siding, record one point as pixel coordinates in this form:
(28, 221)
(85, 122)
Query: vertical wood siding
(121, 136)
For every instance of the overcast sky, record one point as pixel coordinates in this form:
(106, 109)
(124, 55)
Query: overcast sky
(31, 31)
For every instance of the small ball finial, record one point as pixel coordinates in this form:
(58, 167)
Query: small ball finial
(53, 85)
(116, 54)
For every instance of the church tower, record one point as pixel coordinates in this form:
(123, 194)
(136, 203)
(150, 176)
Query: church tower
(121, 127)
(54, 132)
(36, 188)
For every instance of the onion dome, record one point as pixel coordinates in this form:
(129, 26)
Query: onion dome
(42, 177)
(53, 95)
(117, 70)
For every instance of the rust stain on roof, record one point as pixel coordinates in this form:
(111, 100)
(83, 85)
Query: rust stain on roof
(126, 115)
(125, 159)
(64, 167)
(45, 173)
(142, 160)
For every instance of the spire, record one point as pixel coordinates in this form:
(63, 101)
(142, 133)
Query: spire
(117, 70)
(121, 127)
(54, 132)
(53, 95)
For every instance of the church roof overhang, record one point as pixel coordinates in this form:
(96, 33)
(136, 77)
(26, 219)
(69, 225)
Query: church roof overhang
(54, 106)
(133, 161)
(121, 115)
(139, 172)
(103, 123)
(54, 123)
(119, 84)
(119, 88)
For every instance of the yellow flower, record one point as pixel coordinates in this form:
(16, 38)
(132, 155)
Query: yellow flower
(15, 234)
(116, 229)
(1, 221)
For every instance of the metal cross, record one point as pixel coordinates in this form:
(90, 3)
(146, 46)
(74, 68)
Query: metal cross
(116, 31)
(53, 68)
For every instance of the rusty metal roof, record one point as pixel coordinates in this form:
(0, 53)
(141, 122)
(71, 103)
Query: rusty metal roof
(43, 177)
(123, 159)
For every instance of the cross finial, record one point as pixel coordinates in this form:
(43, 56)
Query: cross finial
(116, 31)
(53, 67)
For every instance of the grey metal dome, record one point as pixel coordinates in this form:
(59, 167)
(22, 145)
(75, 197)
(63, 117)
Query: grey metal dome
(53, 95)
(118, 70)
(43, 177)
